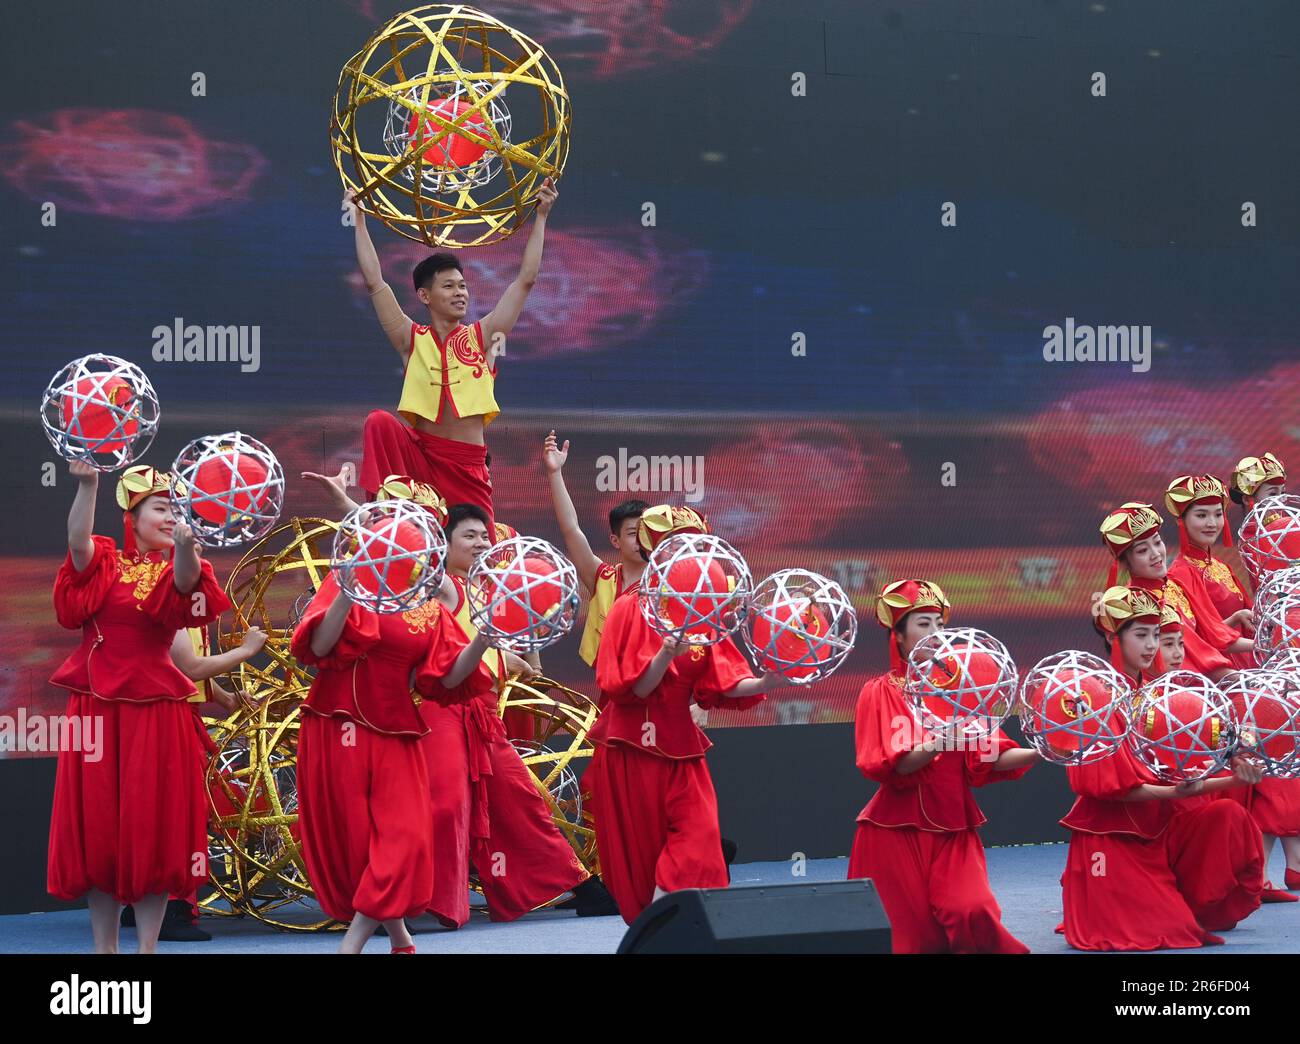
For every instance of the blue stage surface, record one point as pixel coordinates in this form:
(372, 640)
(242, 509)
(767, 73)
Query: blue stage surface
(1025, 880)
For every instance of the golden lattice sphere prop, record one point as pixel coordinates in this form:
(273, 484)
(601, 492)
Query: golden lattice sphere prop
(446, 123)
(256, 864)
(556, 747)
(271, 588)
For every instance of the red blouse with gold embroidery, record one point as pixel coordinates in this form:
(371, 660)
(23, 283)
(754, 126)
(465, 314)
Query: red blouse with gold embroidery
(368, 675)
(1225, 592)
(1204, 632)
(129, 611)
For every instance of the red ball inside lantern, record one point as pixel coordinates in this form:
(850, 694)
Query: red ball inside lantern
(96, 406)
(1284, 548)
(454, 150)
(800, 630)
(692, 574)
(514, 594)
(967, 678)
(222, 477)
(1154, 723)
(1063, 699)
(371, 571)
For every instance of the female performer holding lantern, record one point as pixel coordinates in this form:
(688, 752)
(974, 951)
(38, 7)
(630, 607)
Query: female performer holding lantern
(1153, 866)
(917, 838)
(1132, 533)
(362, 774)
(129, 823)
(656, 811)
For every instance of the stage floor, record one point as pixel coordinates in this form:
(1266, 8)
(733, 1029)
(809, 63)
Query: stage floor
(1025, 880)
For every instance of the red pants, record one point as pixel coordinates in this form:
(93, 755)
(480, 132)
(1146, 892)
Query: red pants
(132, 822)
(364, 819)
(1274, 805)
(656, 825)
(486, 811)
(1203, 874)
(935, 889)
(457, 470)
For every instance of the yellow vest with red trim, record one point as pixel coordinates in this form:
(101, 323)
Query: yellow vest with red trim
(609, 581)
(492, 659)
(455, 373)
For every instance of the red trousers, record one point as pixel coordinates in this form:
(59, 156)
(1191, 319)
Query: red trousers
(1274, 805)
(486, 811)
(457, 470)
(130, 818)
(1203, 874)
(656, 825)
(363, 803)
(935, 889)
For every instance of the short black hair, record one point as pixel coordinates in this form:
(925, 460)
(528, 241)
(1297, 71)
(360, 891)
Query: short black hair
(622, 512)
(458, 513)
(423, 274)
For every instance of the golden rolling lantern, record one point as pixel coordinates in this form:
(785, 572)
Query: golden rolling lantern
(446, 123)
(558, 744)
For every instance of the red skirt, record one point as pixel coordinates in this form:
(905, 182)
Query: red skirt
(130, 818)
(1203, 874)
(656, 825)
(934, 888)
(487, 812)
(363, 803)
(457, 470)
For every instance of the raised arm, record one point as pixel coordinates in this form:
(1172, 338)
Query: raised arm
(337, 488)
(396, 323)
(81, 516)
(501, 320)
(576, 544)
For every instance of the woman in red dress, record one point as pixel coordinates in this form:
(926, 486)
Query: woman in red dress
(362, 780)
(1200, 503)
(656, 812)
(1153, 866)
(917, 839)
(129, 823)
(1132, 533)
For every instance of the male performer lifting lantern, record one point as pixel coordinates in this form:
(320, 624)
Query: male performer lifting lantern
(447, 390)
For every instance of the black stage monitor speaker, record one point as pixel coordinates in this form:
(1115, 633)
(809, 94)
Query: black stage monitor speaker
(822, 917)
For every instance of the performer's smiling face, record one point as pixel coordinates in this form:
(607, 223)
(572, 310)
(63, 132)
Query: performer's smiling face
(1146, 558)
(465, 543)
(1171, 649)
(1138, 643)
(153, 524)
(446, 294)
(1204, 523)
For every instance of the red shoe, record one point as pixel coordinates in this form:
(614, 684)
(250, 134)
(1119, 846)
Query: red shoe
(1292, 878)
(403, 949)
(1276, 895)
(1212, 940)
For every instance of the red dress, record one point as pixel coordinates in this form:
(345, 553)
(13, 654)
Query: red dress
(130, 817)
(363, 791)
(656, 812)
(1205, 635)
(1152, 875)
(917, 838)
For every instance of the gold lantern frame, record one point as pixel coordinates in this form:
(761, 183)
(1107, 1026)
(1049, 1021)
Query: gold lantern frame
(437, 53)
